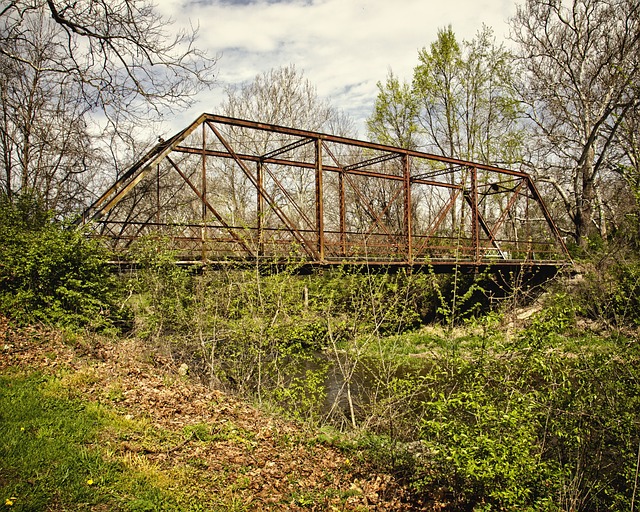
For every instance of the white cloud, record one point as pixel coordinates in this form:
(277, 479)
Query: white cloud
(343, 46)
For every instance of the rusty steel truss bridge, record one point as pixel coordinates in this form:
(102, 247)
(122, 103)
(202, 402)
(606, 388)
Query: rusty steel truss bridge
(229, 190)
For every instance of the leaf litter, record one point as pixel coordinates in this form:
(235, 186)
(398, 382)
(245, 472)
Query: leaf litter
(208, 447)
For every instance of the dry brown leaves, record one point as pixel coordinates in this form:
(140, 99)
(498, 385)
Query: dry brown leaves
(213, 444)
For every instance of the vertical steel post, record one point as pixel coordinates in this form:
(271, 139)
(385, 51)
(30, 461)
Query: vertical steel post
(260, 207)
(158, 194)
(203, 229)
(319, 201)
(475, 222)
(343, 215)
(407, 208)
(529, 253)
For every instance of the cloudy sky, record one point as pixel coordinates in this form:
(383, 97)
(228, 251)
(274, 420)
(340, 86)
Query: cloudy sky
(344, 47)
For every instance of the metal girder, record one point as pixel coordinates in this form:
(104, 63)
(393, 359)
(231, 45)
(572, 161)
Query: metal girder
(283, 217)
(339, 201)
(210, 208)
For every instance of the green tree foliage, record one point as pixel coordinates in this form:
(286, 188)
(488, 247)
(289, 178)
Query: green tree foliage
(394, 118)
(436, 80)
(460, 104)
(50, 273)
(467, 104)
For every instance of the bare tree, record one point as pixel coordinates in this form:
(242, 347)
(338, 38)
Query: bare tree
(581, 64)
(284, 96)
(43, 132)
(120, 52)
(71, 69)
(627, 143)
(281, 96)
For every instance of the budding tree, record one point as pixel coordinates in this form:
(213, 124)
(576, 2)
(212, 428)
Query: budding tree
(467, 107)
(460, 104)
(395, 113)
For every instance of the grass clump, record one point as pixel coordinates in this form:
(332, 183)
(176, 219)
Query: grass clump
(51, 456)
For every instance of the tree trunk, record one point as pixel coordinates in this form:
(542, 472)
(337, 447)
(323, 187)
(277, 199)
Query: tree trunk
(586, 201)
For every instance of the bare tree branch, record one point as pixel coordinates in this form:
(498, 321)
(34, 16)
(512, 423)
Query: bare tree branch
(580, 61)
(68, 65)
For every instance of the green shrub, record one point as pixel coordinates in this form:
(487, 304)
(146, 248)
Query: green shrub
(164, 291)
(482, 441)
(535, 430)
(52, 273)
(612, 293)
(549, 325)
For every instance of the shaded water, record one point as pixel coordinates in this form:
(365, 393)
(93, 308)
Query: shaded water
(363, 382)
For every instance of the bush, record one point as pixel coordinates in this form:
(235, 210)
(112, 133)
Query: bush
(481, 437)
(51, 273)
(535, 430)
(612, 293)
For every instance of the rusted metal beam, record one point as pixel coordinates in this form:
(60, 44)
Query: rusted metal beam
(372, 161)
(377, 220)
(363, 201)
(204, 192)
(213, 118)
(288, 147)
(288, 195)
(260, 207)
(272, 204)
(135, 173)
(208, 205)
(554, 229)
(472, 198)
(311, 165)
(363, 229)
(512, 200)
(343, 214)
(440, 218)
(485, 227)
(408, 227)
(319, 192)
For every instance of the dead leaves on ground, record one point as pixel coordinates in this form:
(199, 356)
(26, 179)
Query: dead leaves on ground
(210, 447)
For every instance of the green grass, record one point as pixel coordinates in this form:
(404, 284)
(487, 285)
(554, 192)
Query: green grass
(52, 457)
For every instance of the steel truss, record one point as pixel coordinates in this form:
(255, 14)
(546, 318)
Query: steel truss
(227, 189)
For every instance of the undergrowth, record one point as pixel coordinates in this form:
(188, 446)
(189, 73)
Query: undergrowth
(51, 274)
(435, 378)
